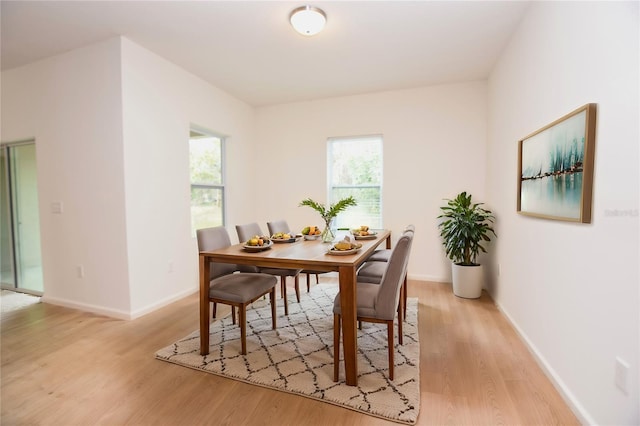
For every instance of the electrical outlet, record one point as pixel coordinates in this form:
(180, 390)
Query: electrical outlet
(80, 271)
(57, 207)
(622, 375)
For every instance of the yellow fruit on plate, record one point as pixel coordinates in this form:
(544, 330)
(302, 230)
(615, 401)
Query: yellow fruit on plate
(342, 245)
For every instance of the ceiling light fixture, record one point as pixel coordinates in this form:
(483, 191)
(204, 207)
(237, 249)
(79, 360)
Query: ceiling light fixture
(308, 20)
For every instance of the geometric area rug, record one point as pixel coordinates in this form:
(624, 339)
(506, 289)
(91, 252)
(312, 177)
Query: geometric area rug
(297, 357)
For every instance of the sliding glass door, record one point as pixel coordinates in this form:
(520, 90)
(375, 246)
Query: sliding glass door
(20, 264)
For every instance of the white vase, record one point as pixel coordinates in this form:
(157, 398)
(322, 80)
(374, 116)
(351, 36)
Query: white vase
(467, 280)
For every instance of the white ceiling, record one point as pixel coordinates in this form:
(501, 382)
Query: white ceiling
(249, 49)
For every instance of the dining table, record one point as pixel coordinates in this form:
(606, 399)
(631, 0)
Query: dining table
(300, 253)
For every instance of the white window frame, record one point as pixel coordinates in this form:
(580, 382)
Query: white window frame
(203, 185)
(375, 138)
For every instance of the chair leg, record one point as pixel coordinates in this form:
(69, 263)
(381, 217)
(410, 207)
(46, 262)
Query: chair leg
(297, 285)
(400, 321)
(308, 283)
(336, 347)
(233, 314)
(317, 279)
(283, 291)
(213, 310)
(272, 299)
(242, 312)
(391, 347)
(405, 287)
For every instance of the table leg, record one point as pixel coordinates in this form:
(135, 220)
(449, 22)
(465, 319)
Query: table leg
(347, 277)
(204, 305)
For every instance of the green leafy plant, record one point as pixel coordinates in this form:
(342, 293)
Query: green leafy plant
(464, 227)
(329, 213)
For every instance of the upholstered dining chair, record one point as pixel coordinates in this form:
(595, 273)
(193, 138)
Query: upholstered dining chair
(245, 232)
(372, 270)
(235, 289)
(382, 255)
(377, 303)
(283, 226)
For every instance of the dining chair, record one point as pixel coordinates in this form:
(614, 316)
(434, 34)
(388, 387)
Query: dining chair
(378, 303)
(237, 289)
(245, 232)
(382, 255)
(372, 270)
(282, 226)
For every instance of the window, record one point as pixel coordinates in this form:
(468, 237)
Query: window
(355, 168)
(206, 153)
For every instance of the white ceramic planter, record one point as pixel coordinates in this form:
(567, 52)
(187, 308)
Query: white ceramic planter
(467, 281)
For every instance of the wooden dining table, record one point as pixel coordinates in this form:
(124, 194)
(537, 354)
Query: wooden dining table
(301, 254)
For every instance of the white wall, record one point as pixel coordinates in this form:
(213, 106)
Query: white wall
(160, 101)
(434, 147)
(111, 124)
(70, 104)
(572, 289)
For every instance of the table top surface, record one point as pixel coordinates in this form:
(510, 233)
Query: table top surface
(301, 253)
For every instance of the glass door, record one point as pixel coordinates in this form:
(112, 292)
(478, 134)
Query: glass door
(21, 265)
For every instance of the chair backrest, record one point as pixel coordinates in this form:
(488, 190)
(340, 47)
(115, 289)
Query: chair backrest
(278, 226)
(213, 239)
(410, 228)
(245, 232)
(393, 278)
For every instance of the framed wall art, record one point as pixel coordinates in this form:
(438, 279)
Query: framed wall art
(555, 168)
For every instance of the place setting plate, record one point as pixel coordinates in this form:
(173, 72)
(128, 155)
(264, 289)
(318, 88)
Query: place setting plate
(267, 245)
(372, 235)
(293, 239)
(332, 251)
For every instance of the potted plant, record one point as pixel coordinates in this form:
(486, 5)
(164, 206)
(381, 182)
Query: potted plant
(329, 213)
(464, 227)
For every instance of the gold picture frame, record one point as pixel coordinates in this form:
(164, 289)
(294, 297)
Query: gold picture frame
(555, 168)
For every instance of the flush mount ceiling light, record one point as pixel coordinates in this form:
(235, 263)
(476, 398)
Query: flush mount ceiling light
(308, 20)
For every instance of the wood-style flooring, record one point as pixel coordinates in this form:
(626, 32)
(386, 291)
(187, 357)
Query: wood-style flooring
(66, 367)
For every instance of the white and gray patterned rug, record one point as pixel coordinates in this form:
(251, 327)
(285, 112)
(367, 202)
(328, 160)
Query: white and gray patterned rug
(298, 357)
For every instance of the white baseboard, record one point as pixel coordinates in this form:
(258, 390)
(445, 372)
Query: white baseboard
(431, 278)
(561, 387)
(87, 307)
(164, 302)
(116, 313)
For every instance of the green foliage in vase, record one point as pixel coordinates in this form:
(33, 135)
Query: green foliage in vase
(328, 213)
(463, 228)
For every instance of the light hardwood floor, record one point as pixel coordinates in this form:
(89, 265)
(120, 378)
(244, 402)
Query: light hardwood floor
(65, 367)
